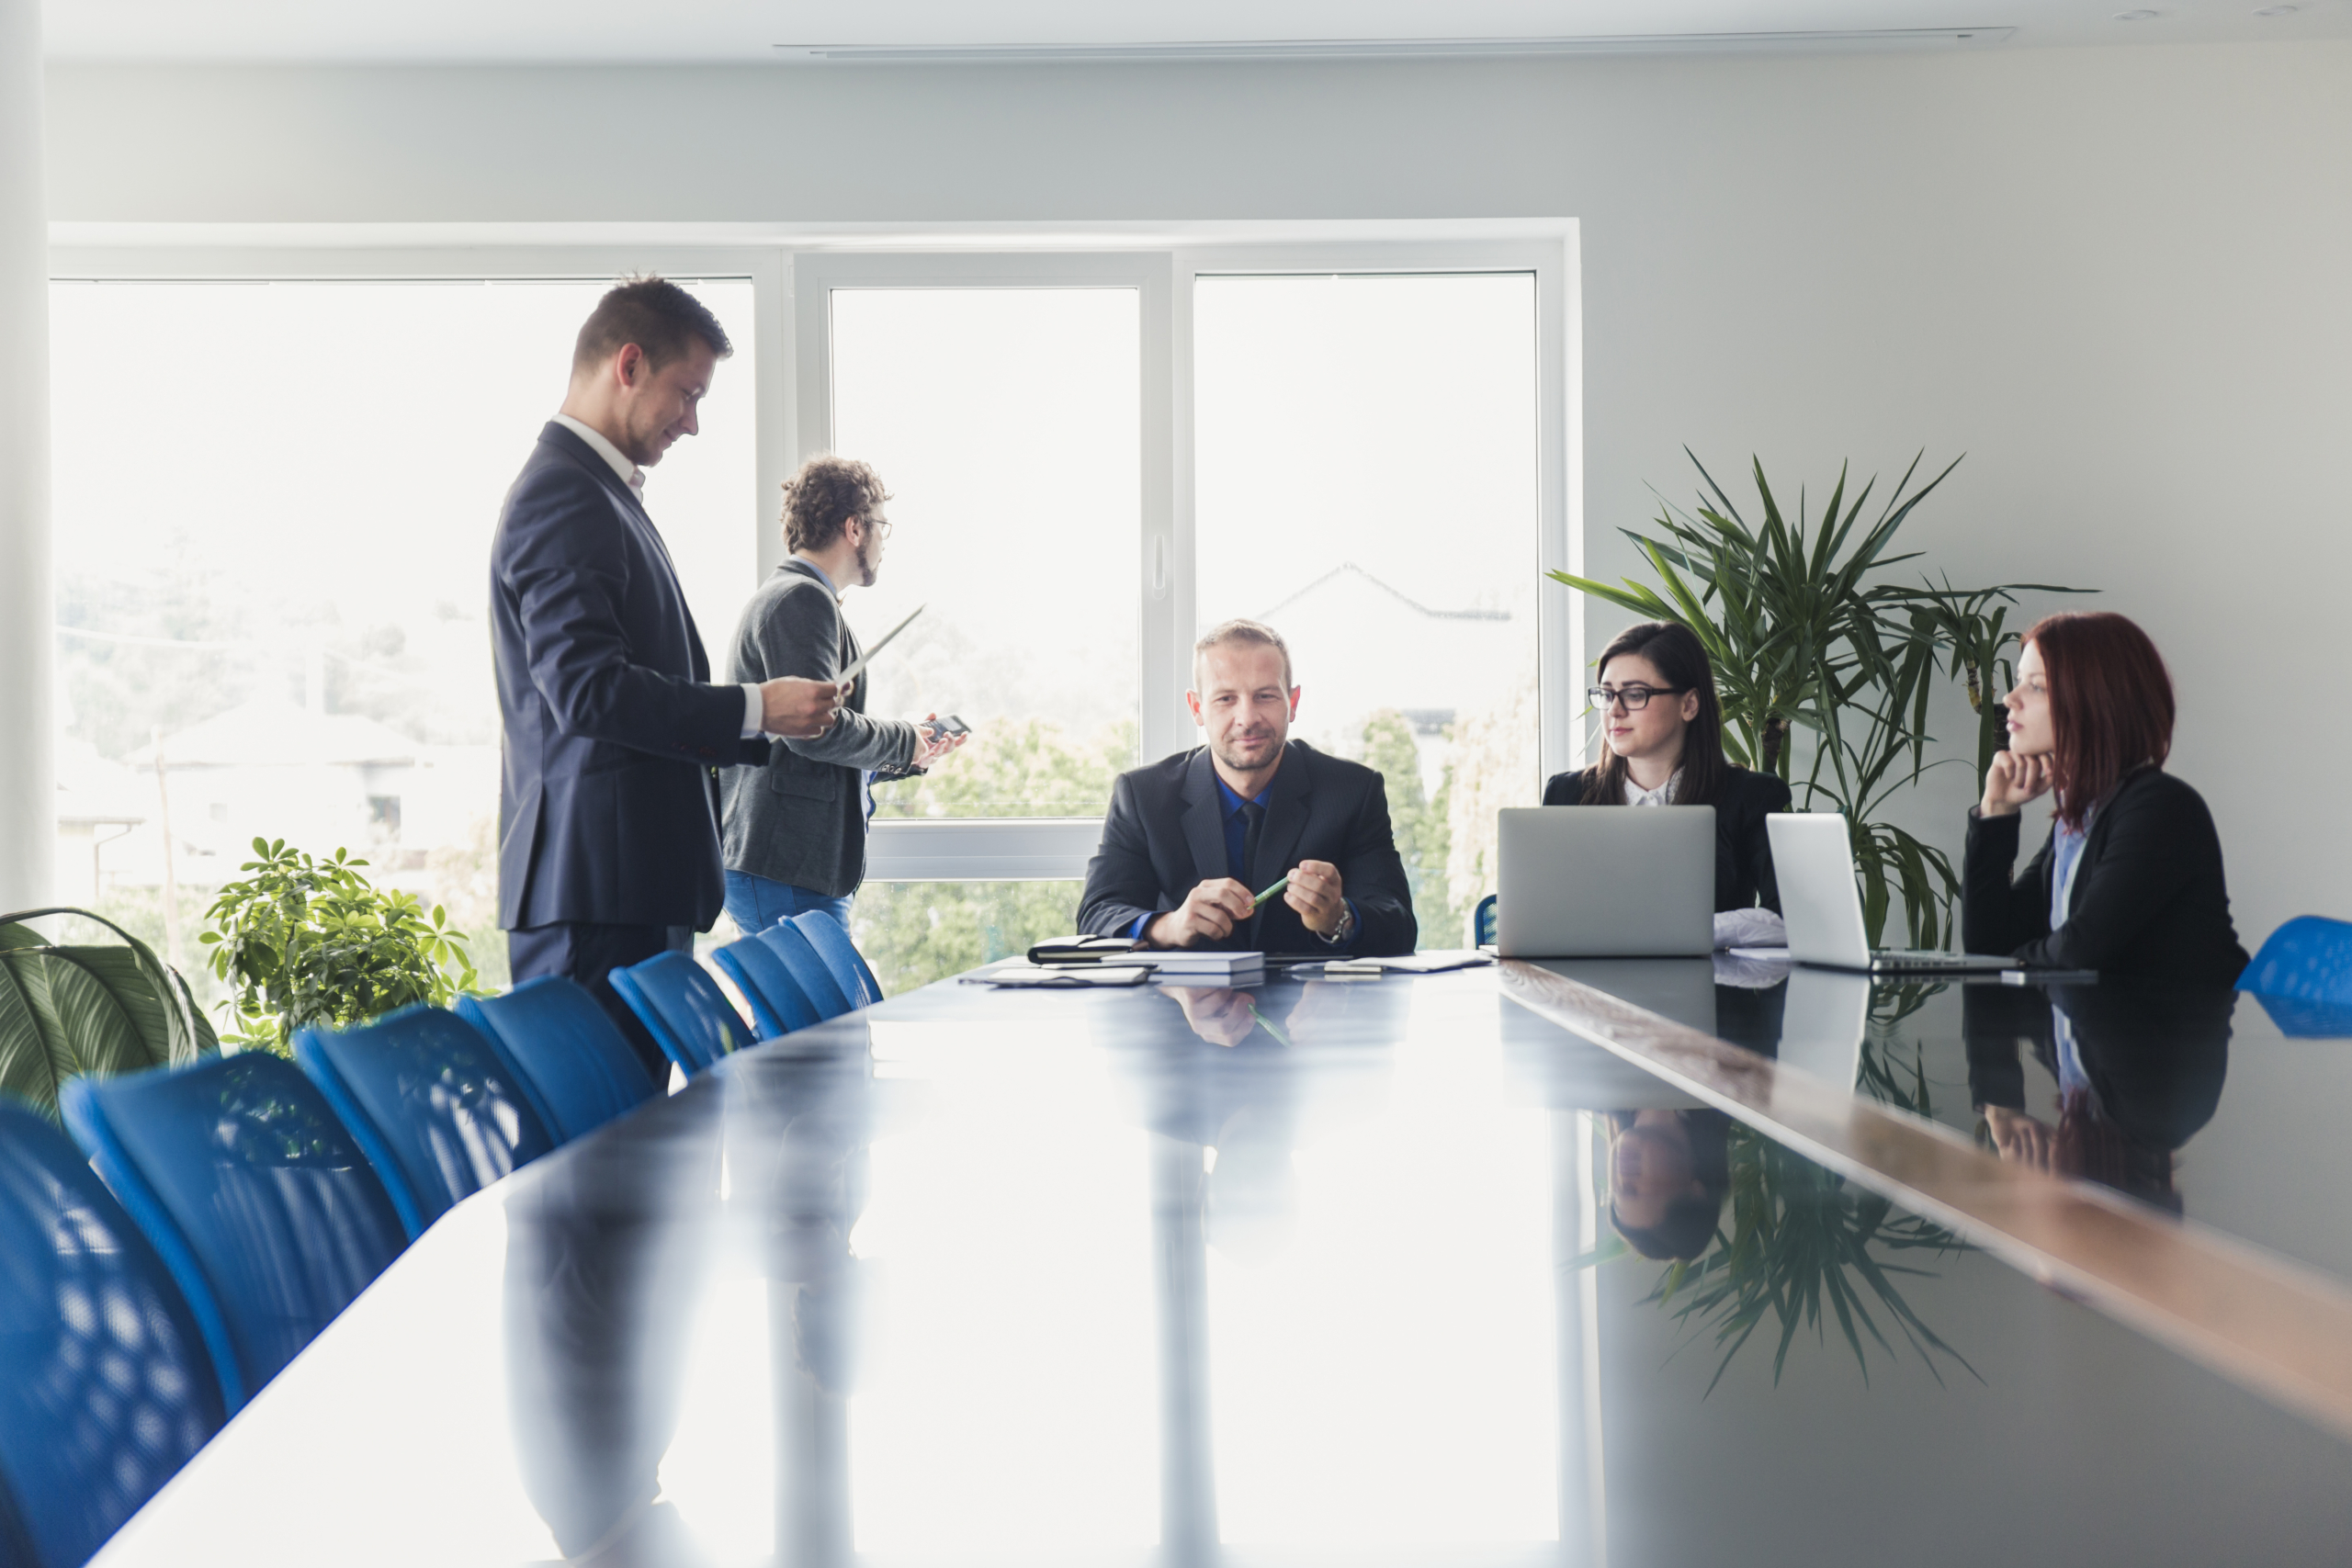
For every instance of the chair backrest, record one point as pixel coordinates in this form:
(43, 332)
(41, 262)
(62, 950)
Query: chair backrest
(689, 1017)
(790, 943)
(257, 1199)
(2309, 959)
(108, 1391)
(1482, 922)
(778, 1004)
(569, 1053)
(436, 1111)
(831, 939)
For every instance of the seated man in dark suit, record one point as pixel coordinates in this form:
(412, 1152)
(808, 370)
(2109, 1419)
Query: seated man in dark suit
(1191, 838)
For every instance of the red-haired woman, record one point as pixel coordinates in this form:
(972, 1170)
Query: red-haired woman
(2130, 881)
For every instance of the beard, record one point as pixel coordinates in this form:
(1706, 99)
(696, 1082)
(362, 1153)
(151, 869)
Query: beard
(868, 566)
(1230, 752)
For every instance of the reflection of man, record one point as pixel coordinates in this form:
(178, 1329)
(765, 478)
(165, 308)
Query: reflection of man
(1190, 838)
(796, 829)
(608, 826)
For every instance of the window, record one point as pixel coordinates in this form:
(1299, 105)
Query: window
(1094, 455)
(1366, 469)
(274, 506)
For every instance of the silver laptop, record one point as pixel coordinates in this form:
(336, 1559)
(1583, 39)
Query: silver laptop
(1823, 1018)
(1602, 882)
(1813, 860)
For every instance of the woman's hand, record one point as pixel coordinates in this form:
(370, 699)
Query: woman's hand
(2012, 780)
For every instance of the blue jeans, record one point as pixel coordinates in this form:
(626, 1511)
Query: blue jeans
(755, 903)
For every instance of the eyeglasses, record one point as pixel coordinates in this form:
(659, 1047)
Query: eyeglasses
(877, 526)
(1636, 698)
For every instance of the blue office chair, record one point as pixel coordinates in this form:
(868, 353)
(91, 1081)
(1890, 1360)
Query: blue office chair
(831, 939)
(778, 1004)
(818, 982)
(565, 1050)
(108, 1390)
(689, 1016)
(2303, 977)
(259, 1202)
(1481, 923)
(423, 1092)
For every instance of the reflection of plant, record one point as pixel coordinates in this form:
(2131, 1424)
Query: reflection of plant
(309, 941)
(1802, 637)
(1802, 1235)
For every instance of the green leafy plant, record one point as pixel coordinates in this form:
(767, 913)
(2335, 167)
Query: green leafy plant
(306, 941)
(1810, 640)
(73, 1009)
(1803, 1247)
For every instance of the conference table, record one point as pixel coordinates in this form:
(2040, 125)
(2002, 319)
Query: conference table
(1324, 1272)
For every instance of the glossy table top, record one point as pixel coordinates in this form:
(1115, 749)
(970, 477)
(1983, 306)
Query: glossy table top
(1318, 1273)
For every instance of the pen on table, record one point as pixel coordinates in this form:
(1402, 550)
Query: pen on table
(1260, 900)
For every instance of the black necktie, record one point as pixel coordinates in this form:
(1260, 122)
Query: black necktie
(1255, 815)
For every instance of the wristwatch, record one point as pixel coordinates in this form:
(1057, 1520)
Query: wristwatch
(1344, 929)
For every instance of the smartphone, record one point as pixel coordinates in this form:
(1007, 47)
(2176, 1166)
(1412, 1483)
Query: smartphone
(949, 725)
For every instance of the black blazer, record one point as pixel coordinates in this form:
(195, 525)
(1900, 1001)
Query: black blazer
(2148, 896)
(607, 809)
(1165, 836)
(1742, 849)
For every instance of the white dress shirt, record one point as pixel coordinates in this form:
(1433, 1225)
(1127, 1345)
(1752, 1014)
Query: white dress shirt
(754, 711)
(1662, 795)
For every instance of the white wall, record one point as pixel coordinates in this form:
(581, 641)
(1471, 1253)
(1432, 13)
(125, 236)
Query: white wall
(2115, 278)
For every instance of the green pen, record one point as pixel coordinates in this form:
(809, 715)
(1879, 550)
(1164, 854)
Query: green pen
(1260, 900)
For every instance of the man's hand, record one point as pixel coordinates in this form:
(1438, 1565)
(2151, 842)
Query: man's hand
(799, 709)
(932, 745)
(1207, 914)
(1315, 892)
(1219, 1016)
(2011, 780)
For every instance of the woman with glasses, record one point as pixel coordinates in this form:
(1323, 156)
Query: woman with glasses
(1663, 727)
(2130, 881)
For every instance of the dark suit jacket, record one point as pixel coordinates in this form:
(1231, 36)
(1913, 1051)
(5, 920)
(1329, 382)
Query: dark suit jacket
(1743, 848)
(2148, 897)
(801, 819)
(1165, 836)
(607, 809)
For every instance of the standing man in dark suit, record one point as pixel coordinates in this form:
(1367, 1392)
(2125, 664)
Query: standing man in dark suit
(795, 834)
(608, 823)
(1189, 840)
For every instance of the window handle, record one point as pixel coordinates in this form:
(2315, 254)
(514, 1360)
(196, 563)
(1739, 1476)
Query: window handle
(1159, 566)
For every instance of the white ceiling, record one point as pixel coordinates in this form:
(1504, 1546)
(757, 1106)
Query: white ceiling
(748, 30)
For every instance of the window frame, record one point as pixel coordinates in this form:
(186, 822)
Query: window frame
(791, 277)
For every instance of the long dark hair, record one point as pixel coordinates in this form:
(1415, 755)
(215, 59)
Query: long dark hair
(1676, 650)
(2110, 705)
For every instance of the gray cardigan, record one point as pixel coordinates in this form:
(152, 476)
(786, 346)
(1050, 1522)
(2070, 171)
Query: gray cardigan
(801, 819)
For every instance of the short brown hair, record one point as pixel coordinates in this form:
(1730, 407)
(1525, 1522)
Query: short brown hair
(1256, 633)
(653, 313)
(820, 501)
(2110, 705)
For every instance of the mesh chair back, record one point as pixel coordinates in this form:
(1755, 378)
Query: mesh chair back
(778, 1004)
(438, 1114)
(2309, 959)
(689, 1016)
(107, 1391)
(831, 939)
(817, 982)
(566, 1051)
(261, 1205)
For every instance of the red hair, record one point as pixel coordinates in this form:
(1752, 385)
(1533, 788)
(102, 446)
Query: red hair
(2110, 705)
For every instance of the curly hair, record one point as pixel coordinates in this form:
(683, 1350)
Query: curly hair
(820, 501)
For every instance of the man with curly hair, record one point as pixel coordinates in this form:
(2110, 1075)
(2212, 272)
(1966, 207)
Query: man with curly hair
(796, 829)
